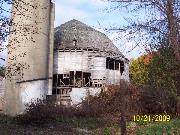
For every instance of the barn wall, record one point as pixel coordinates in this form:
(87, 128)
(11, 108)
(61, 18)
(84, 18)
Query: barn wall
(98, 68)
(70, 61)
(114, 76)
(84, 61)
(91, 62)
(125, 74)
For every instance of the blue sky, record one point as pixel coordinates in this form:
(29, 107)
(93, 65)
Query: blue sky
(97, 14)
(91, 12)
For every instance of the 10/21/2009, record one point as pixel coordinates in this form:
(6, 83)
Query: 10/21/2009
(152, 118)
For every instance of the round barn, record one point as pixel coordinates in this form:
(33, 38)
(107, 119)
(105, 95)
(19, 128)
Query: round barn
(85, 61)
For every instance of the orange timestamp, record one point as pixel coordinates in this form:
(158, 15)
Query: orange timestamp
(151, 118)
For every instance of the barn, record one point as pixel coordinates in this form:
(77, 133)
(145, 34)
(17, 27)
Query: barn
(85, 62)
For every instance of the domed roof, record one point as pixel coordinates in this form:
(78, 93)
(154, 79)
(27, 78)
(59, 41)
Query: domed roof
(84, 36)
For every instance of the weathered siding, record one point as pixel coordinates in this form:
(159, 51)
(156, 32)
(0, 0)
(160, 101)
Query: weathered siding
(85, 61)
(98, 68)
(125, 74)
(70, 61)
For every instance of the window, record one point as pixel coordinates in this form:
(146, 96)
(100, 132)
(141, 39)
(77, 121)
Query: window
(65, 76)
(116, 65)
(74, 42)
(121, 67)
(110, 63)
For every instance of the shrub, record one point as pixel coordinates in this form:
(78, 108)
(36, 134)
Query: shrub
(158, 101)
(41, 112)
(112, 101)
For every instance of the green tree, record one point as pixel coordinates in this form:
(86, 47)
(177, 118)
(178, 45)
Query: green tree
(158, 75)
(161, 92)
(163, 69)
(138, 71)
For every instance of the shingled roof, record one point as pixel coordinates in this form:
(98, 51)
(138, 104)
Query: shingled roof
(85, 36)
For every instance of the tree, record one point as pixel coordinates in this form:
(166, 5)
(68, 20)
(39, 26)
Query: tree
(161, 92)
(160, 81)
(4, 23)
(161, 19)
(138, 71)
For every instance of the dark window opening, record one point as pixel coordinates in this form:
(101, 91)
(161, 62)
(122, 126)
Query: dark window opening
(74, 42)
(90, 49)
(66, 81)
(116, 65)
(107, 62)
(65, 76)
(110, 63)
(78, 78)
(86, 79)
(55, 80)
(60, 79)
(55, 91)
(121, 67)
(72, 79)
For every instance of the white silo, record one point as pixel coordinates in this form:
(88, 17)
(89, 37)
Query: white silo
(30, 54)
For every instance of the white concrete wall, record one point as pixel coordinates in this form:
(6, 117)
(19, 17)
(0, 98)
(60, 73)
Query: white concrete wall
(2, 89)
(79, 94)
(33, 91)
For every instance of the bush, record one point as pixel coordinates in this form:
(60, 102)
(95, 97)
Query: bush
(158, 75)
(42, 112)
(112, 101)
(158, 101)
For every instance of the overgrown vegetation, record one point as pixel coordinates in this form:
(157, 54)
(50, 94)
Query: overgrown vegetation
(169, 128)
(111, 101)
(157, 75)
(41, 112)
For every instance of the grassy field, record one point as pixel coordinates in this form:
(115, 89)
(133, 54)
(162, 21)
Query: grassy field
(165, 128)
(66, 126)
(90, 126)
